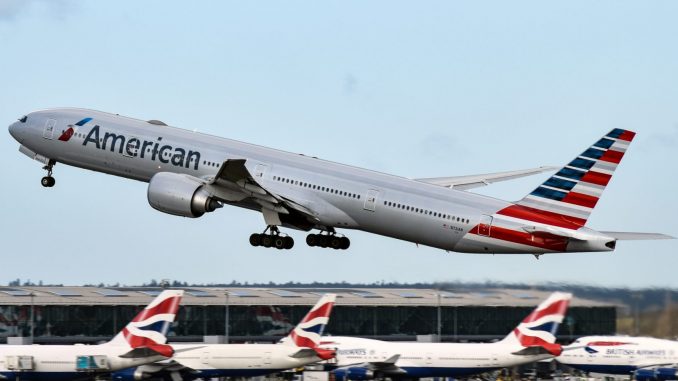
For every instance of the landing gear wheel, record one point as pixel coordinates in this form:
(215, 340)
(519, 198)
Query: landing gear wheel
(279, 242)
(345, 243)
(255, 240)
(312, 240)
(323, 241)
(267, 240)
(48, 181)
(289, 243)
(335, 242)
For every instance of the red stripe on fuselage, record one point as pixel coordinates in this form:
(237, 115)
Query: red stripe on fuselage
(543, 240)
(612, 156)
(580, 199)
(597, 178)
(542, 216)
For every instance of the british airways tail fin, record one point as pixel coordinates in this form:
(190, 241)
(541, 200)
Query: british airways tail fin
(568, 197)
(146, 333)
(536, 333)
(308, 332)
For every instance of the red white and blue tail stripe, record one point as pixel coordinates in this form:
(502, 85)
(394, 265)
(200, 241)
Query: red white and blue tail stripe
(539, 328)
(309, 331)
(569, 196)
(149, 328)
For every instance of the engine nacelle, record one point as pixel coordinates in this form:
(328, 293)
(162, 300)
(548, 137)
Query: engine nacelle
(353, 373)
(645, 375)
(130, 374)
(180, 195)
(665, 374)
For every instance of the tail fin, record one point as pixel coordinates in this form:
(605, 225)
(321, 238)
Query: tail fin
(308, 332)
(148, 330)
(539, 328)
(569, 196)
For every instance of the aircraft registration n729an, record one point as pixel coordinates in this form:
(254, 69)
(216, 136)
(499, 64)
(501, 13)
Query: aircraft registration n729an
(190, 174)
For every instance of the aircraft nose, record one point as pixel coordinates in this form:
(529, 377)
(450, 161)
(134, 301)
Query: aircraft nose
(14, 129)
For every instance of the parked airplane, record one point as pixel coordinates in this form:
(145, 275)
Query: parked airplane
(142, 341)
(206, 361)
(532, 340)
(191, 174)
(645, 358)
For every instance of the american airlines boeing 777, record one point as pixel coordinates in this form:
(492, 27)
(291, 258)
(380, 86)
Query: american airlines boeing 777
(190, 174)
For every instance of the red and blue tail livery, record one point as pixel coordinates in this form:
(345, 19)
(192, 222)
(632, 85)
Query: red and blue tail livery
(149, 328)
(309, 331)
(568, 197)
(539, 328)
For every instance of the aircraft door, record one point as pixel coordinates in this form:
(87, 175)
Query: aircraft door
(371, 200)
(131, 148)
(485, 225)
(48, 133)
(267, 358)
(429, 358)
(205, 358)
(260, 170)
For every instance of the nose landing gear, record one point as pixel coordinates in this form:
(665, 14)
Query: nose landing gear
(48, 181)
(272, 239)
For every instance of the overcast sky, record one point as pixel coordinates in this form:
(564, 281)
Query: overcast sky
(418, 90)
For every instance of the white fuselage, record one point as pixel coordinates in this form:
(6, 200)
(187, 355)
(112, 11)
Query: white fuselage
(619, 354)
(239, 360)
(58, 362)
(430, 359)
(340, 196)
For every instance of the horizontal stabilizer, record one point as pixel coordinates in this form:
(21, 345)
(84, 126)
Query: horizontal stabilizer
(631, 236)
(476, 181)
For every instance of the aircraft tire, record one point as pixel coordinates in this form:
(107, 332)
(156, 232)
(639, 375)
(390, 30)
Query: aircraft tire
(279, 242)
(345, 243)
(255, 240)
(312, 240)
(323, 241)
(48, 181)
(289, 243)
(335, 243)
(266, 241)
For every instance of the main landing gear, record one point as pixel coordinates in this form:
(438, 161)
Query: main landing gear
(328, 240)
(48, 181)
(272, 239)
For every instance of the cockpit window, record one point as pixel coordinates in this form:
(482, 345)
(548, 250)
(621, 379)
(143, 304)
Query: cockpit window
(23, 119)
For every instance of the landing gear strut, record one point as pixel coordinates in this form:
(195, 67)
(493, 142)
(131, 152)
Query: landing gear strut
(328, 240)
(272, 239)
(48, 181)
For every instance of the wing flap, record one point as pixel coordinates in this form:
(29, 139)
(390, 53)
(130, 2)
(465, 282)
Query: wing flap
(481, 180)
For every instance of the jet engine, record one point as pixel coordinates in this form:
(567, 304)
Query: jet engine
(131, 374)
(665, 374)
(180, 195)
(646, 375)
(353, 373)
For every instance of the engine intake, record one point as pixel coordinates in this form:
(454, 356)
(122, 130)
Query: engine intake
(180, 195)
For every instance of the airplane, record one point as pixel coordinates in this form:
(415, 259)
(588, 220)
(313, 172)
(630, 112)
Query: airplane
(532, 340)
(646, 358)
(142, 341)
(206, 361)
(190, 174)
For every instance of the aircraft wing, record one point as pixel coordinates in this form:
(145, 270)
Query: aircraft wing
(475, 181)
(234, 182)
(383, 368)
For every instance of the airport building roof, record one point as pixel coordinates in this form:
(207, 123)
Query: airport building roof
(85, 295)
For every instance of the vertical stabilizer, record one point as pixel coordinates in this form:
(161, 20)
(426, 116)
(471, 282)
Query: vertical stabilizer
(568, 197)
(149, 328)
(539, 328)
(308, 332)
